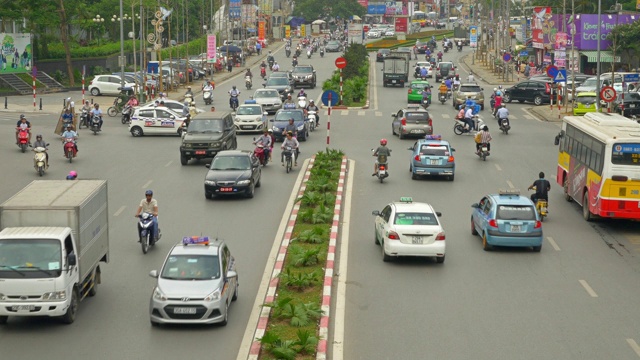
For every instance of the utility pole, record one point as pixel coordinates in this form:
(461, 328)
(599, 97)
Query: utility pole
(598, 56)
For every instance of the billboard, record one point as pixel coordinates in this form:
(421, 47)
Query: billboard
(234, 9)
(540, 24)
(379, 9)
(16, 52)
(354, 33)
(586, 29)
(401, 24)
(211, 48)
(365, 3)
(473, 36)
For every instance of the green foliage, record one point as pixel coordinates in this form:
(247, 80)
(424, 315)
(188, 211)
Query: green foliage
(625, 37)
(322, 184)
(309, 198)
(288, 349)
(299, 280)
(306, 215)
(314, 9)
(315, 235)
(298, 313)
(306, 342)
(303, 257)
(356, 88)
(97, 70)
(356, 56)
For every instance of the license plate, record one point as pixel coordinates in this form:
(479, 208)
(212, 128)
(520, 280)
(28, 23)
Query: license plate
(587, 106)
(226, 189)
(515, 228)
(417, 131)
(383, 171)
(416, 239)
(184, 310)
(201, 152)
(484, 148)
(23, 307)
(247, 127)
(632, 105)
(434, 162)
(393, 81)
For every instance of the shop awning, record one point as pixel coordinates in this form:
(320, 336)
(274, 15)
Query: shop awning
(605, 56)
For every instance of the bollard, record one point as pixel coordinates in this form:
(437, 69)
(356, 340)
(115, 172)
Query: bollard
(5, 102)
(40, 103)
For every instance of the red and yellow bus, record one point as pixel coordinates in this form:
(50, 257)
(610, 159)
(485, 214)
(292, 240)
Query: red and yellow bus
(599, 164)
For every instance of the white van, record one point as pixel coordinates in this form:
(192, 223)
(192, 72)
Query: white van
(590, 85)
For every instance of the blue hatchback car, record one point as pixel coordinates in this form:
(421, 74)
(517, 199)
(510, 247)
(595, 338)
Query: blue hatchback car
(432, 156)
(507, 219)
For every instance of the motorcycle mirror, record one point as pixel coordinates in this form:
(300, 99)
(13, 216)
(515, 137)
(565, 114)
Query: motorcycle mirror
(438, 213)
(207, 166)
(452, 149)
(264, 84)
(375, 212)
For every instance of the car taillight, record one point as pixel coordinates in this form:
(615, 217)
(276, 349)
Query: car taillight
(392, 235)
(403, 121)
(493, 223)
(417, 158)
(381, 167)
(430, 122)
(440, 236)
(538, 225)
(451, 159)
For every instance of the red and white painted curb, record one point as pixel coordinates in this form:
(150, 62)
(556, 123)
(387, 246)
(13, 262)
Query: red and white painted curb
(328, 275)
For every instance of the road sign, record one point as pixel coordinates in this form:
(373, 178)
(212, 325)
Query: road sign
(506, 57)
(561, 76)
(608, 94)
(552, 71)
(524, 53)
(334, 97)
(341, 62)
(631, 77)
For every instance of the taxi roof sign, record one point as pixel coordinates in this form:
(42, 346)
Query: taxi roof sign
(406, 199)
(433, 137)
(509, 192)
(195, 240)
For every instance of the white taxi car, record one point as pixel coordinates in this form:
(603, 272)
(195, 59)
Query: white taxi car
(156, 121)
(407, 228)
(249, 117)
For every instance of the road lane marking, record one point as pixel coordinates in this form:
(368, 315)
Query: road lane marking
(374, 83)
(120, 210)
(344, 112)
(341, 292)
(553, 243)
(378, 113)
(634, 239)
(360, 112)
(588, 288)
(498, 167)
(146, 185)
(510, 184)
(169, 163)
(634, 346)
(530, 116)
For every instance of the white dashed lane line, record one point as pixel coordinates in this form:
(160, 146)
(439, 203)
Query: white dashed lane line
(120, 210)
(553, 243)
(146, 185)
(588, 288)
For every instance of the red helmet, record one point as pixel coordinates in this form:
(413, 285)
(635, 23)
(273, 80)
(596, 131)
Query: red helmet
(383, 142)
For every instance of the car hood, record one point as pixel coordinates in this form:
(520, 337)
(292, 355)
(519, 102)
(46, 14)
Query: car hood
(268, 101)
(228, 175)
(471, 93)
(187, 288)
(194, 137)
(282, 124)
(277, 87)
(248, 117)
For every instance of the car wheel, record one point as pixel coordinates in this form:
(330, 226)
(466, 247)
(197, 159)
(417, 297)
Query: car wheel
(235, 293)
(537, 100)
(485, 244)
(393, 130)
(482, 107)
(259, 183)
(375, 236)
(586, 213)
(400, 135)
(208, 195)
(473, 228)
(451, 177)
(154, 324)
(537, 248)
(506, 98)
(95, 92)
(414, 177)
(225, 321)
(184, 160)
(250, 192)
(440, 260)
(136, 131)
(385, 257)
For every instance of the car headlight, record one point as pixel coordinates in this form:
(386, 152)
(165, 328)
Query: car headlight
(309, 76)
(3, 297)
(215, 144)
(210, 182)
(244, 182)
(275, 129)
(159, 295)
(259, 119)
(55, 295)
(213, 296)
(301, 127)
(187, 145)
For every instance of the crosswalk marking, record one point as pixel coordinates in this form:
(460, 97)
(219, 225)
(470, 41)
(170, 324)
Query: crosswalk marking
(529, 117)
(344, 112)
(378, 113)
(444, 115)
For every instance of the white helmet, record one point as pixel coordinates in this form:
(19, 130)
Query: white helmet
(495, 89)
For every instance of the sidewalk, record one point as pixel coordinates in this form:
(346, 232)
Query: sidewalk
(52, 103)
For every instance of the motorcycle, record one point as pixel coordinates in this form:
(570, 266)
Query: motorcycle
(504, 125)
(313, 120)
(233, 102)
(288, 158)
(288, 52)
(446, 49)
(84, 119)
(483, 152)
(207, 97)
(40, 162)
(459, 127)
(115, 108)
(294, 63)
(260, 153)
(271, 63)
(442, 97)
(263, 72)
(302, 102)
(145, 231)
(298, 52)
(69, 148)
(381, 170)
(126, 114)
(23, 139)
(309, 54)
(247, 82)
(425, 103)
(459, 48)
(541, 207)
(322, 52)
(95, 125)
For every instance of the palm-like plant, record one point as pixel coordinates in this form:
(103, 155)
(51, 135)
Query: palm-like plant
(322, 214)
(304, 257)
(316, 235)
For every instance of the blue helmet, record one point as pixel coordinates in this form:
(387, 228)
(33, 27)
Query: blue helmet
(148, 192)
(499, 93)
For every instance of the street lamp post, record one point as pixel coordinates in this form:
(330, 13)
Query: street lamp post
(155, 38)
(121, 61)
(98, 20)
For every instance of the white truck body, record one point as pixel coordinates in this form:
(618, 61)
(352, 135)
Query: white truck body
(54, 235)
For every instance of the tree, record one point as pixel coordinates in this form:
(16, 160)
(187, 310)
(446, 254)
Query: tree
(64, 37)
(625, 37)
(313, 9)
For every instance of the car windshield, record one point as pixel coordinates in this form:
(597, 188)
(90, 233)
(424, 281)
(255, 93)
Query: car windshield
(589, 83)
(231, 163)
(277, 81)
(205, 126)
(249, 110)
(333, 43)
(32, 258)
(191, 267)
(415, 219)
(516, 212)
(417, 116)
(434, 150)
(302, 69)
(265, 94)
(445, 66)
(419, 86)
(471, 89)
(286, 115)
(586, 99)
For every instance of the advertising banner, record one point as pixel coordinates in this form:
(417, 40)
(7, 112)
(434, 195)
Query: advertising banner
(560, 55)
(303, 30)
(234, 9)
(354, 33)
(364, 3)
(266, 7)
(249, 15)
(473, 36)
(261, 30)
(16, 52)
(540, 24)
(401, 24)
(211, 48)
(287, 31)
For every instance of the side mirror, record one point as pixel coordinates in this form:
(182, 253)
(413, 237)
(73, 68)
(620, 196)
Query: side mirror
(394, 115)
(47, 144)
(452, 149)
(153, 273)
(172, 117)
(375, 212)
(232, 274)
(71, 258)
(264, 84)
(314, 71)
(410, 148)
(270, 120)
(475, 206)
(438, 213)
(265, 113)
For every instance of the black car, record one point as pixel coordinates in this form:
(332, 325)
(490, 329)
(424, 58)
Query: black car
(381, 54)
(444, 70)
(535, 91)
(631, 104)
(422, 46)
(580, 78)
(207, 135)
(333, 46)
(232, 172)
(281, 120)
(281, 84)
(304, 75)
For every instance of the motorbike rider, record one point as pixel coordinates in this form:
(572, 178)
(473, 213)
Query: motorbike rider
(302, 93)
(23, 124)
(456, 83)
(265, 141)
(97, 112)
(132, 101)
(502, 113)
(497, 102)
(273, 141)
(439, 56)
(73, 175)
(483, 137)
(149, 205)
(443, 88)
(275, 67)
(185, 109)
(468, 119)
(289, 103)
(67, 116)
(292, 142)
(70, 134)
(424, 72)
(313, 107)
(189, 92)
(381, 150)
(294, 62)
(249, 74)
(426, 95)
(459, 44)
(40, 143)
(233, 93)
(542, 187)
(291, 128)
(263, 68)
(270, 58)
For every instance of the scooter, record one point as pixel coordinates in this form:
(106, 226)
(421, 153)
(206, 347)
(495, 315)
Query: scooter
(309, 54)
(207, 97)
(302, 102)
(247, 82)
(23, 139)
(126, 114)
(95, 125)
(69, 148)
(271, 63)
(313, 120)
(233, 102)
(263, 72)
(459, 127)
(84, 119)
(459, 48)
(260, 153)
(40, 162)
(287, 52)
(322, 52)
(541, 207)
(425, 103)
(504, 125)
(442, 97)
(483, 152)
(446, 49)
(381, 170)
(145, 231)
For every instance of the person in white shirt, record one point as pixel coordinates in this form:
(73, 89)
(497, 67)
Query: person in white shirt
(468, 118)
(292, 142)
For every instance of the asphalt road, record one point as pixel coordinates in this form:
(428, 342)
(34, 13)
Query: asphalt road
(574, 300)
(115, 323)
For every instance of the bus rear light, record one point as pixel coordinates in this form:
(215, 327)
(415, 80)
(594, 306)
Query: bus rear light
(619, 178)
